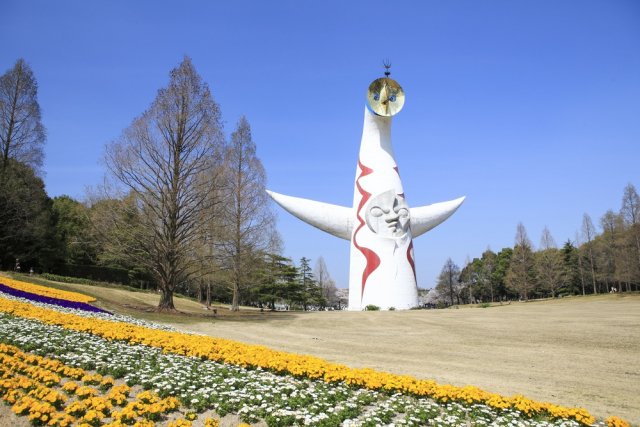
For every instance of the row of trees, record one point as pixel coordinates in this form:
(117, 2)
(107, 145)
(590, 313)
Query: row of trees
(594, 262)
(181, 208)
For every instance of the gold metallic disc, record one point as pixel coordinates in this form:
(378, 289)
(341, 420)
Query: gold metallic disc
(385, 97)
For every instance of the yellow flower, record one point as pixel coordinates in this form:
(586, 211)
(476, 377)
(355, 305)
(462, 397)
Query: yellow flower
(46, 291)
(85, 391)
(179, 423)
(616, 422)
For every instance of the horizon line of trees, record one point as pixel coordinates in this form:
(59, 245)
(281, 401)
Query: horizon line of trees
(594, 262)
(181, 207)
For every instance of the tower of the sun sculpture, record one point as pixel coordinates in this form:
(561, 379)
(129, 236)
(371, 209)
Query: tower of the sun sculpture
(380, 225)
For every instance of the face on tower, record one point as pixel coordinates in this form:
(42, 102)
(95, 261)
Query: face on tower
(388, 215)
(385, 97)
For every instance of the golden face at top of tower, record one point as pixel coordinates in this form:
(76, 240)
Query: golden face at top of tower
(385, 97)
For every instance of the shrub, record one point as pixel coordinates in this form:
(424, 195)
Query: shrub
(392, 309)
(97, 273)
(66, 279)
(372, 307)
(441, 305)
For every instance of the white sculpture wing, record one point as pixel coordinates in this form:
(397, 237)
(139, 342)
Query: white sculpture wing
(334, 219)
(424, 218)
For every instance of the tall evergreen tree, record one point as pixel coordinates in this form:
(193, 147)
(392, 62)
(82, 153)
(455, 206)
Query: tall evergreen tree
(25, 218)
(503, 261)
(278, 280)
(489, 265)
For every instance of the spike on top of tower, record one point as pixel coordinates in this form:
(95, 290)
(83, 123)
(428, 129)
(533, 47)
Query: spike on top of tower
(386, 64)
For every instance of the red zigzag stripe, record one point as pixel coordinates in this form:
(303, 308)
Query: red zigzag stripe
(373, 260)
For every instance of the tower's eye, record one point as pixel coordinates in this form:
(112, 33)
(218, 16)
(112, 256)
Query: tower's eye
(392, 98)
(376, 97)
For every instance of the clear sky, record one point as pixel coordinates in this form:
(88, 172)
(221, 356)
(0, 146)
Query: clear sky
(531, 109)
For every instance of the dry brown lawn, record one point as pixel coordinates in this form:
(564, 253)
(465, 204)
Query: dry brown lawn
(579, 351)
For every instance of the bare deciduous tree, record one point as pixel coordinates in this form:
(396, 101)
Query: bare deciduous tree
(448, 280)
(631, 214)
(589, 234)
(164, 161)
(324, 281)
(549, 263)
(249, 223)
(611, 224)
(521, 274)
(22, 135)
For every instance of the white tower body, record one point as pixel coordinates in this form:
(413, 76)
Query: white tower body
(382, 269)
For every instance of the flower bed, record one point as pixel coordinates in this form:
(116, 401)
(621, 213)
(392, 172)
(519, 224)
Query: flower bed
(261, 384)
(117, 318)
(34, 386)
(45, 291)
(254, 394)
(50, 300)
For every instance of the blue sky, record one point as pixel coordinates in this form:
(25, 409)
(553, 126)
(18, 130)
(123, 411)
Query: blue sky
(531, 109)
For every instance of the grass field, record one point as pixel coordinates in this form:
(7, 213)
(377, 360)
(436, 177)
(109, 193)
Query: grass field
(579, 351)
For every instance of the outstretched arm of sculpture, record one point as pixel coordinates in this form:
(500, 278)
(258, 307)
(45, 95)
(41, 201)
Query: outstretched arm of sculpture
(424, 218)
(334, 219)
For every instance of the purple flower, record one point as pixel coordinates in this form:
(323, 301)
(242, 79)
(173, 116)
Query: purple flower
(48, 300)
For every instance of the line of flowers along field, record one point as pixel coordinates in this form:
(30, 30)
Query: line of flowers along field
(253, 394)
(50, 300)
(470, 400)
(45, 291)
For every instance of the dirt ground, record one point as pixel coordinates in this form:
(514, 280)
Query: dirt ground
(578, 351)
(581, 352)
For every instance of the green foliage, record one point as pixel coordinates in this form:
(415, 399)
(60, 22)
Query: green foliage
(95, 273)
(441, 305)
(372, 307)
(503, 260)
(66, 279)
(25, 219)
(309, 291)
(392, 309)
(277, 280)
(73, 231)
(572, 282)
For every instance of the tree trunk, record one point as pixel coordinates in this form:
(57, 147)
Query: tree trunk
(581, 274)
(208, 292)
(235, 306)
(593, 274)
(166, 300)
